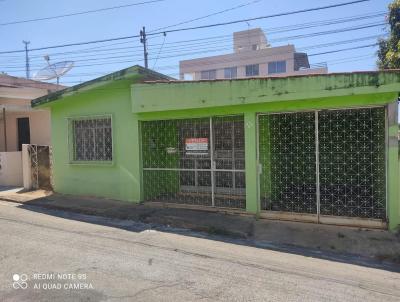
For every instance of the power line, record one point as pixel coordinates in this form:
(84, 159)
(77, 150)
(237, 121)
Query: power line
(73, 44)
(131, 53)
(80, 13)
(159, 52)
(217, 48)
(175, 49)
(193, 28)
(178, 52)
(339, 61)
(333, 31)
(214, 38)
(296, 26)
(198, 46)
(262, 17)
(331, 62)
(346, 60)
(219, 61)
(206, 16)
(344, 49)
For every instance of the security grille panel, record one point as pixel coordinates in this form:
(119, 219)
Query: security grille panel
(352, 162)
(328, 163)
(91, 139)
(287, 155)
(194, 161)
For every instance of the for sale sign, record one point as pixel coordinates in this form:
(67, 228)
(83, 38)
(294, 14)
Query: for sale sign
(196, 144)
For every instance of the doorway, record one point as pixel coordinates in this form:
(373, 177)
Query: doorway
(195, 161)
(24, 133)
(324, 166)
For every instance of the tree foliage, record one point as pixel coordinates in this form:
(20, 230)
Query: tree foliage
(389, 49)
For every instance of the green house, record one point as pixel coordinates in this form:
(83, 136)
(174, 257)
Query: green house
(317, 148)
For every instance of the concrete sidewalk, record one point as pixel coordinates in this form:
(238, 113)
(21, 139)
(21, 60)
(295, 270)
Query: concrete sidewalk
(376, 244)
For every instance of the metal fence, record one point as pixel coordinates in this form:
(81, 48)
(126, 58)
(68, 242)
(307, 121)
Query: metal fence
(195, 161)
(40, 161)
(352, 163)
(287, 154)
(329, 162)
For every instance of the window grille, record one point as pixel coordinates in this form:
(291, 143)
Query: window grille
(91, 139)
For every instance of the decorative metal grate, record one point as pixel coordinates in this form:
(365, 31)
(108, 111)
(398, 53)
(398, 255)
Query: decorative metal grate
(352, 163)
(287, 156)
(40, 166)
(347, 146)
(92, 139)
(194, 161)
(33, 155)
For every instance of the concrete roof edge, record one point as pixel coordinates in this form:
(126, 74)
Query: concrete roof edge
(7, 80)
(397, 71)
(117, 75)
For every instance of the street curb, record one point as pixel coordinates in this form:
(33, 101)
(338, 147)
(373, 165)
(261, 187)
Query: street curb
(70, 213)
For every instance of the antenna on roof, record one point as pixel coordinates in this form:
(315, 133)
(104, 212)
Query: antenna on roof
(53, 71)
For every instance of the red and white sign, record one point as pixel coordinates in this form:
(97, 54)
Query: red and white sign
(196, 144)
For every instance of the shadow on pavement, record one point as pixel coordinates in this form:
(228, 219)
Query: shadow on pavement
(235, 229)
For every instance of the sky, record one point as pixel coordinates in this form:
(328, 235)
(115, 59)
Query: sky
(94, 60)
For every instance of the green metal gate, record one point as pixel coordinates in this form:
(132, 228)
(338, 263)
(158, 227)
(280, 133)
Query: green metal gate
(196, 161)
(324, 164)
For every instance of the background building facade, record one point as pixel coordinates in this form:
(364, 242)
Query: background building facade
(252, 57)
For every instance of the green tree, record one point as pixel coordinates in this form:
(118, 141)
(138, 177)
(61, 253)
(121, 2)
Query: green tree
(389, 49)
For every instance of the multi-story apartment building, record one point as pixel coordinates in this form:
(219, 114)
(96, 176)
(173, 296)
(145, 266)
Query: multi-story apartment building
(252, 57)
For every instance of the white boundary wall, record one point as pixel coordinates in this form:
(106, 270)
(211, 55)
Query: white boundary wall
(11, 169)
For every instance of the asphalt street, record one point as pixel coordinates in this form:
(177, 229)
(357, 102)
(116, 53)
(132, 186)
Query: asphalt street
(44, 257)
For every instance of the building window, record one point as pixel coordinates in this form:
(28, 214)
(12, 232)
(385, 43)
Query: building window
(230, 73)
(188, 76)
(209, 74)
(277, 67)
(254, 47)
(91, 139)
(252, 70)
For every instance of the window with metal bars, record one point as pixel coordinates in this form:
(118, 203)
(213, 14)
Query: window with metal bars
(91, 139)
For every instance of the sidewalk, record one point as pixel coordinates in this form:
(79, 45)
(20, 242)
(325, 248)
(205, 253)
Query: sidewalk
(376, 244)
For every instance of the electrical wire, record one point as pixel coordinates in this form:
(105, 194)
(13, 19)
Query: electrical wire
(262, 17)
(285, 39)
(194, 28)
(159, 52)
(270, 31)
(132, 54)
(79, 13)
(207, 16)
(214, 62)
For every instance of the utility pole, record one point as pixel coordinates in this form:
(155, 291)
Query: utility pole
(143, 40)
(26, 58)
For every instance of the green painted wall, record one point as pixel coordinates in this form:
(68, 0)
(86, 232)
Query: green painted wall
(156, 137)
(121, 179)
(211, 94)
(130, 104)
(249, 97)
